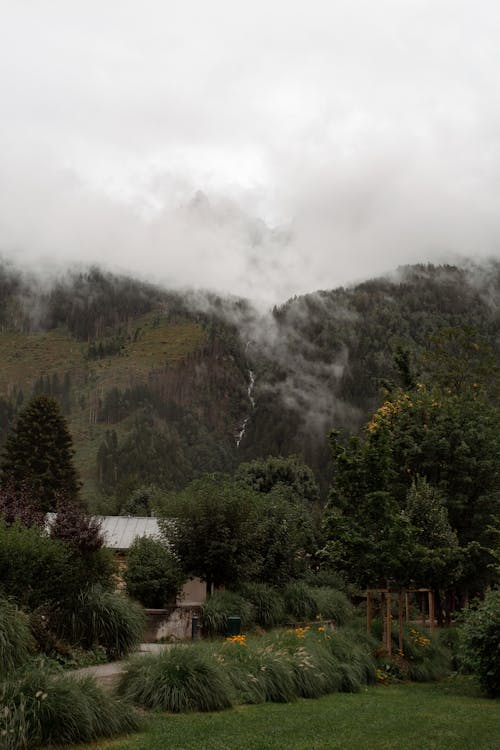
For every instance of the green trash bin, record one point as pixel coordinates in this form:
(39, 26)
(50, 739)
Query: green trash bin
(234, 625)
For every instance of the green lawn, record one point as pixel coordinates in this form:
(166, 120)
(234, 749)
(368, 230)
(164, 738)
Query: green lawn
(446, 716)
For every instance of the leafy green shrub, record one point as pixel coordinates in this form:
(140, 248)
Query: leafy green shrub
(221, 605)
(153, 574)
(450, 639)
(332, 604)
(480, 641)
(182, 678)
(39, 707)
(16, 641)
(300, 602)
(35, 569)
(43, 624)
(109, 619)
(268, 604)
(326, 579)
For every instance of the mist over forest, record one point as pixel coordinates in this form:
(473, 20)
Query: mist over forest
(160, 386)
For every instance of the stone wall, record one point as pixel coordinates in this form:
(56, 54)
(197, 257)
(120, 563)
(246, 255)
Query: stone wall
(172, 623)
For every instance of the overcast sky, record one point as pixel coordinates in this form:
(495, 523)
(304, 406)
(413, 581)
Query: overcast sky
(259, 148)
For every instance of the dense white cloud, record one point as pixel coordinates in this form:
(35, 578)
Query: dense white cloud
(329, 140)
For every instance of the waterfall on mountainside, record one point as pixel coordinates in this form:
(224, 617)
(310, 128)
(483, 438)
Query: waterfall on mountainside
(251, 384)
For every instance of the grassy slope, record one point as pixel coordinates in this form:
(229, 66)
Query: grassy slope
(24, 358)
(446, 716)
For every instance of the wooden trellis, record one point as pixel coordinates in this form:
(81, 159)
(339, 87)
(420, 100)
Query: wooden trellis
(403, 605)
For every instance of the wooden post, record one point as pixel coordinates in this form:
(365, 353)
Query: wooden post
(422, 604)
(369, 612)
(431, 612)
(389, 623)
(400, 619)
(407, 607)
(382, 616)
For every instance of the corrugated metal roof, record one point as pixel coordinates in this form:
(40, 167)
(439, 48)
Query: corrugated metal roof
(120, 532)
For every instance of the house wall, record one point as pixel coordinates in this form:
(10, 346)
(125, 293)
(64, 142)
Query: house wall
(194, 591)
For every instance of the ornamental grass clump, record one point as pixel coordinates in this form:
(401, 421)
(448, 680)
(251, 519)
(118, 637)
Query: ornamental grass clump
(300, 602)
(16, 642)
(268, 604)
(243, 671)
(427, 658)
(276, 668)
(315, 671)
(108, 619)
(422, 659)
(353, 659)
(219, 607)
(44, 708)
(181, 679)
(259, 669)
(332, 604)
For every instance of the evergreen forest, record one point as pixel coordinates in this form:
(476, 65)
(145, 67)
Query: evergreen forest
(160, 387)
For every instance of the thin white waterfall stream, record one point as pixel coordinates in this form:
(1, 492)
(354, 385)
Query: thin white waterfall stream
(251, 384)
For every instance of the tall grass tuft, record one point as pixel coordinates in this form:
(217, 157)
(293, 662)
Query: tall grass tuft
(243, 671)
(108, 619)
(259, 669)
(276, 669)
(433, 664)
(315, 671)
(423, 658)
(16, 641)
(42, 708)
(353, 658)
(221, 605)
(300, 602)
(268, 604)
(332, 604)
(182, 678)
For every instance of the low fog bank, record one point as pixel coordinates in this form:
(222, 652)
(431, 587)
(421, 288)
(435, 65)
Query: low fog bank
(341, 227)
(304, 375)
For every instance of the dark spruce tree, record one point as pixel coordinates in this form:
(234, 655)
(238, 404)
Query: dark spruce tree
(38, 455)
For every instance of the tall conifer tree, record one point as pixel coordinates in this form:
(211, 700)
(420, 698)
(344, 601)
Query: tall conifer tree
(38, 455)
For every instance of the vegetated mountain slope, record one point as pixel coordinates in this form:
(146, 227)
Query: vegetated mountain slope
(153, 392)
(331, 351)
(154, 384)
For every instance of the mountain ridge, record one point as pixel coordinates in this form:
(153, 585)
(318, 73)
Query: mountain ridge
(154, 382)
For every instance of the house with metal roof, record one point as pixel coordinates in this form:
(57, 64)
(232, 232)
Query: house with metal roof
(120, 532)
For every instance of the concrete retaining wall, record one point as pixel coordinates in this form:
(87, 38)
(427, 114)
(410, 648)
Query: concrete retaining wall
(173, 623)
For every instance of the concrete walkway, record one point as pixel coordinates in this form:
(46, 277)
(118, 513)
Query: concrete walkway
(108, 674)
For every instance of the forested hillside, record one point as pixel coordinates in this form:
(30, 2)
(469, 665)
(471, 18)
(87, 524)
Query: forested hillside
(155, 384)
(330, 353)
(153, 393)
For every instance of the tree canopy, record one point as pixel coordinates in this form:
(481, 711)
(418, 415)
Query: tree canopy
(264, 474)
(427, 464)
(226, 533)
(215, 531)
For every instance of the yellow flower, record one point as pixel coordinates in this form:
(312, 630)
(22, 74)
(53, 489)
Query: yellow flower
(240, 640)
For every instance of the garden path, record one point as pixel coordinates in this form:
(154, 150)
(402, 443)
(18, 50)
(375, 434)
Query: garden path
(107, 674)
